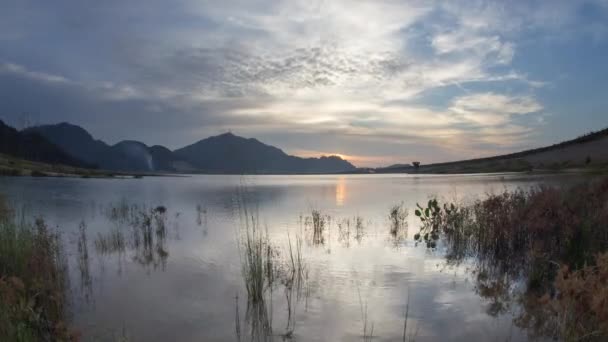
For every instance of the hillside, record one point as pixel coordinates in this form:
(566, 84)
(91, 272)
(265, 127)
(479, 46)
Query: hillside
(33, 146)
(228, 153)
(590, 150)
(124, 156)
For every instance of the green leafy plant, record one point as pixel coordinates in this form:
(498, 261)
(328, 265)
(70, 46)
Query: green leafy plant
(431, 223)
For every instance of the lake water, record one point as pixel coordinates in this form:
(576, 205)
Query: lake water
(193, 289)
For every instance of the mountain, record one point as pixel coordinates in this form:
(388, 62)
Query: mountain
(126, 155)
(588, 150)
(228, 153)
(35, 147)
(76, 141)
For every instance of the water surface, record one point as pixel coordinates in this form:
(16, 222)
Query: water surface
(194, 290)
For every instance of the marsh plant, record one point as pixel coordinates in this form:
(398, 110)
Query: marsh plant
(368, 327)
(111, 243)
(33, 280)
(266, 268)
(551, 240)
(398, 219)
(149, 237)
(86, 281)
(317, 224)
(146, 228)
(351, 228)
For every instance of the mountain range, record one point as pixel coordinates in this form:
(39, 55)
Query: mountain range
(226, 153)
(33, 146)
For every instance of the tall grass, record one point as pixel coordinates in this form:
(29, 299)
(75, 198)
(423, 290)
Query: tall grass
(33, 280)
(266, 267)
(258, 264)
(258, 269)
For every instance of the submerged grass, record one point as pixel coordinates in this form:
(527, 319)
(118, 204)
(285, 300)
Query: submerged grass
(351, 227)
(146, 229)
(317, 224)
(398, 219)
(113, 242)
(33, 281)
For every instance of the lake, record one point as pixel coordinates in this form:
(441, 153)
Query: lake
(360, 280)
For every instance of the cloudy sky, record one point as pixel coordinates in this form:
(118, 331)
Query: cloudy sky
(380, 82)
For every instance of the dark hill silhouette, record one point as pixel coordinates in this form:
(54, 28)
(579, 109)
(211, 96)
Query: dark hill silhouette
(226, 153)
(126, 155)
(77, 142)
(35, 147)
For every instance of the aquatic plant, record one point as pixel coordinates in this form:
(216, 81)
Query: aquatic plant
(348, 227)
(398, 219)
(86, 282)
(258, 260)
(411, 336)
(316, 224)
(111, 242)
(431, 223)
(368, 327)
(149, 235)
(531, 236)
(318, 221)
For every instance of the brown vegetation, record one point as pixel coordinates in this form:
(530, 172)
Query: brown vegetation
(551, 239)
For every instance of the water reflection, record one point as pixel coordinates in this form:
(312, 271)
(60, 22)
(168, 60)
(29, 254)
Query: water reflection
(340, 191)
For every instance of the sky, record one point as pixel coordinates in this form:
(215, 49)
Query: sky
(378, 82)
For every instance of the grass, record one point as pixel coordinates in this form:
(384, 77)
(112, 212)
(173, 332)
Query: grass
(258, 261)
(265, 267)
(351, 226)
(368, 327)
(553, 240)
(113, 242)
(258, 268)
(33, 281)
(398, 225)
(147, 229)
(317, 223)
(11, 166)
(86, 282)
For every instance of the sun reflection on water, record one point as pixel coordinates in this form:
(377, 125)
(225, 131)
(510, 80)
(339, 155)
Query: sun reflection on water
(341, 191)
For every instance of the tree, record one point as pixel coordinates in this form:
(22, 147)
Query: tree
(416, 164)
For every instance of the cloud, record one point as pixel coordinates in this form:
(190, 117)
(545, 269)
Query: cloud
(489, 109)
(356, 73)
